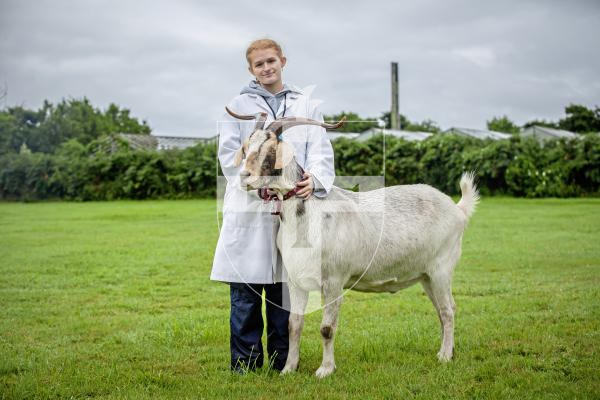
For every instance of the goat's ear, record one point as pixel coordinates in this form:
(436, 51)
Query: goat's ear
(283, 155)
(239, 155)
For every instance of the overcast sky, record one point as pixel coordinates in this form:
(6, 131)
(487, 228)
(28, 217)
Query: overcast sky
(177, 63)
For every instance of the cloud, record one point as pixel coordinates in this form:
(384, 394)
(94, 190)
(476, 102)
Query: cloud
(178, 63)
(480, 56)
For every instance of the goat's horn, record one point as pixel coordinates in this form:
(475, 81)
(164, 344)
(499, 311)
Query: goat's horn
(238, 116)
(279, 125)
(260, 117)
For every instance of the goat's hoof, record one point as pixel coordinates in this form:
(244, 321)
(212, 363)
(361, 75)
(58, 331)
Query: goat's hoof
(444, 356)
(324, 371)
(288, 369)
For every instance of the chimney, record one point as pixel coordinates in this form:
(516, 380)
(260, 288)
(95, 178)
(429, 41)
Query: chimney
(394, 115)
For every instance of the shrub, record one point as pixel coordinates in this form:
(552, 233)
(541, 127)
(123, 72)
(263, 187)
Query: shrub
(518, 167)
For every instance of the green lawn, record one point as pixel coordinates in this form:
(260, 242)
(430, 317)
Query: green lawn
(113, 300)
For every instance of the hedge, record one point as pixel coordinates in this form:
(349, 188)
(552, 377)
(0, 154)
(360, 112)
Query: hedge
(516, 167)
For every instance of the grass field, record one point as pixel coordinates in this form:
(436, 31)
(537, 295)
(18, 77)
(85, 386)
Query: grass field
(113, 300)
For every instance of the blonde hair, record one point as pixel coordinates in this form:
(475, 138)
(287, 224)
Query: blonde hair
(262, 44)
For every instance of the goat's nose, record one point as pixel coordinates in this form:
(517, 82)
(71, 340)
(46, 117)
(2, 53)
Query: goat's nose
(244, 174)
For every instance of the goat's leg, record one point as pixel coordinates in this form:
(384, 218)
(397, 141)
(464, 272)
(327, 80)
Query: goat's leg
(438, 288)
(332, 298)
(426, 283)
(298, 300)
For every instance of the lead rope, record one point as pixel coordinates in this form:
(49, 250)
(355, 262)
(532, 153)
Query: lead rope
(276, 206)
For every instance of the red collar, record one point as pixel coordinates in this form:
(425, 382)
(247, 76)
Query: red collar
(262, 193)
(291, 193)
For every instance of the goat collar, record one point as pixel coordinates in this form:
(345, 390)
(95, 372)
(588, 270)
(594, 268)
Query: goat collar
(262, 193)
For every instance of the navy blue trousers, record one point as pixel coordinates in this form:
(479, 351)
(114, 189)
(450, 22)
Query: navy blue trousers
(246, 325)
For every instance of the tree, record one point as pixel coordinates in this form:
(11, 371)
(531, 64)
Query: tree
(120, 121)
(45, 129)
(427, 125)
(580, 119)
(540, 122)
(354, 123)
(502, 124)
(387, 118)
(17, 126)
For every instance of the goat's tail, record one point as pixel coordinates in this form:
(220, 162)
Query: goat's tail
(470, 194)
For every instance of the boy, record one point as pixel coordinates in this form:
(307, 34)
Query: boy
(246, 256)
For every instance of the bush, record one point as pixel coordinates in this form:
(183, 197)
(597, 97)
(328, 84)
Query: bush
(518, 167)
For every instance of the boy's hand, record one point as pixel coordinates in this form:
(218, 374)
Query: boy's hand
(308, 186)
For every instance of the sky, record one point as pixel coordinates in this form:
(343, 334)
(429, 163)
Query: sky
(176, 64)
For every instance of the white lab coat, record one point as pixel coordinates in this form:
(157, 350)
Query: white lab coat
(246, 250)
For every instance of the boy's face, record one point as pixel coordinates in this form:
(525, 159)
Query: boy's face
(266, 66)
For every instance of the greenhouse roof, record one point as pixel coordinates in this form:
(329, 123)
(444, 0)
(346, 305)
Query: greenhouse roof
(478, 133)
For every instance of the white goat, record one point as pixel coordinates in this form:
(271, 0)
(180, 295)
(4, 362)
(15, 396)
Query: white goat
(420, 231)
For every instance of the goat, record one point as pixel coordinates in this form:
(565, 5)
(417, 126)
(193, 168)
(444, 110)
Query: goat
(420, 231)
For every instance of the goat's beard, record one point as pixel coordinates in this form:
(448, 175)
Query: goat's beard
(255, 182)
(249, 184)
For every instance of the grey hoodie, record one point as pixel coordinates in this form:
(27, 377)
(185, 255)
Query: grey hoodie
(273, 100)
